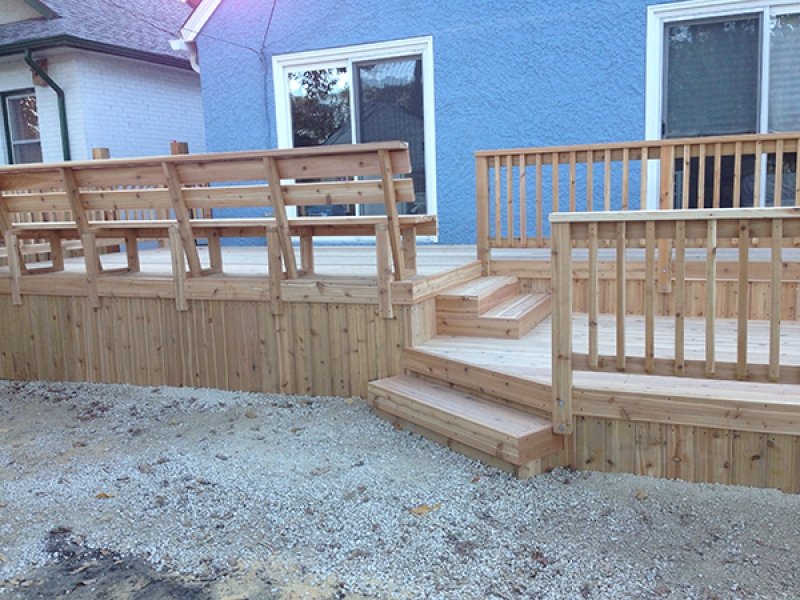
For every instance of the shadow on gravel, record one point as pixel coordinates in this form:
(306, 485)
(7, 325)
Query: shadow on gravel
(86, 573)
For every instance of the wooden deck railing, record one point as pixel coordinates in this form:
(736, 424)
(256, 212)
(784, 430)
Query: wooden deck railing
(516, 190)
(774, 228)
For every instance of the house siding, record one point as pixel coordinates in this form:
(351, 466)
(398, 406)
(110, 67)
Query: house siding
(507, 74)
(132, 108)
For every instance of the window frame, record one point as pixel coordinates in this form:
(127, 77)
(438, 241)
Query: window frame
(4, 98)
(658, 16)
(346, 56)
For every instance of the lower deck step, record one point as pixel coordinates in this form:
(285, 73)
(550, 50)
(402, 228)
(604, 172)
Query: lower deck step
(496, 430)
(477, 296)
(512, 318)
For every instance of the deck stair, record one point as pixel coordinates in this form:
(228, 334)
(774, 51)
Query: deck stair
(473, 425)
(490, 307)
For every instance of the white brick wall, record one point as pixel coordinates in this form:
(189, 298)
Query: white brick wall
(132, 108)
(136, 109)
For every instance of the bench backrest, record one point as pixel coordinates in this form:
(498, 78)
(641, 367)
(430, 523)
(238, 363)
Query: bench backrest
(134, 188)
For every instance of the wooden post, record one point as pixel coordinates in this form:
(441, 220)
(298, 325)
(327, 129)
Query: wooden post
(90, 255)
(279, 210)
(182, 216)
(14, 266)
(306, 250)
(666, 202)
(561, 257)
(178, 147)
(482, 200)
(409, 239)
(390, 200)
(382, 246)
(275, 269)
(100, 153)
(178, 268)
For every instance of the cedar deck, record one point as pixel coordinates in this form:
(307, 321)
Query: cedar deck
(662, 343)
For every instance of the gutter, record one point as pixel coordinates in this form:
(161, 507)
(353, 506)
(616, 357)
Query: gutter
(69, 41)
(191, 48)
(62, 105)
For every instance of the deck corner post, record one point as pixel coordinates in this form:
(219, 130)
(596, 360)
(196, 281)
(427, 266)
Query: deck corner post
(561, 256)
(275, 267)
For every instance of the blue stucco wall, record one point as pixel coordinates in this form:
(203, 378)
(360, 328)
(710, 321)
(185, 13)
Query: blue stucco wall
(508, 73)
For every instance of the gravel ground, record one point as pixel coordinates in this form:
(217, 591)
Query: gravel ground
(210, 494)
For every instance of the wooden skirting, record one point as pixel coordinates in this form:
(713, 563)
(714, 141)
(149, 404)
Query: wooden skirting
(329, 349)
(695, 454)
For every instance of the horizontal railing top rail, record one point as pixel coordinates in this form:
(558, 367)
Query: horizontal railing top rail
(518, 189)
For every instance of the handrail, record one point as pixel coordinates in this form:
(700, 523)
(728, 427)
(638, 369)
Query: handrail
(735, 228)
(518, 189)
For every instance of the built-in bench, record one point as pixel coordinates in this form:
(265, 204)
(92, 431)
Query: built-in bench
(182, 187)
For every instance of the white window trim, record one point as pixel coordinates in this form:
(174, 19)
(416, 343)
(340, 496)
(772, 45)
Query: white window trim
(346, 56)
(661, 14)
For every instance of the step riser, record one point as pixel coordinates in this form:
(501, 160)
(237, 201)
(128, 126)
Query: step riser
(523, 393)
(407, 409)
(495, 327)
(476, 304)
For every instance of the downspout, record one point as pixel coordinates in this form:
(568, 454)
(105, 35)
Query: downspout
(62, 105)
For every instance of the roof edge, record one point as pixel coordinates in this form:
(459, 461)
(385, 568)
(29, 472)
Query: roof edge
(198, 19)
(81, 44)
(42, 9)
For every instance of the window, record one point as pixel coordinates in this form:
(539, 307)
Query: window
(359, 94)
(22, 127)
(722, 67)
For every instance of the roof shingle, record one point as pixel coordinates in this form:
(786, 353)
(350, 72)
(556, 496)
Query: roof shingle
(139, 25)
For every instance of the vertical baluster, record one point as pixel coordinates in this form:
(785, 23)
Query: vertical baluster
(680, 296)
(523, 201)
(711, 297)
(667, 183)
(687, 166)
(757, 173)
(737, 176)
(650, 297)
(643, 186)
(593, 296)
(743, 308)
(510, 199)
(717, 172)
(626, 157)
(589, 180)
(572, 160)
(778, 173)
(555, 161)
(701, 177)
(621, 281)
(775, 302)
(607, 180)
(498, 223)
(539, 231)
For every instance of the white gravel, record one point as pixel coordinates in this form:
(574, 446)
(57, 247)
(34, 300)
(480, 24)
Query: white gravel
(215, 485)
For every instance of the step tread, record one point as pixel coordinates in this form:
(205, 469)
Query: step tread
(516, 307)
(503, 419)
(480, 286)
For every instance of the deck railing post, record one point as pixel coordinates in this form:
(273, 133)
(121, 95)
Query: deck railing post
(561, 257)
(482, 200)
